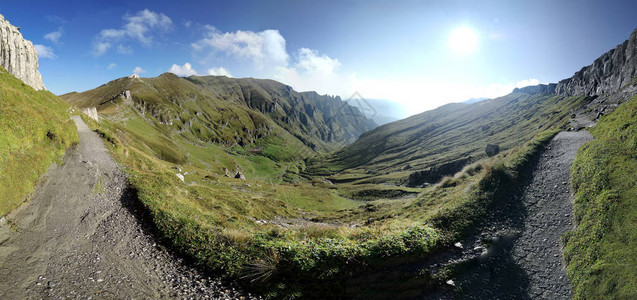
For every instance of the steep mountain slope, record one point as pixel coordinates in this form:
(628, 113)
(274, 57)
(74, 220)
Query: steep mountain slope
(230, 111)
(34, 126)
(35, 131)
(423, 148)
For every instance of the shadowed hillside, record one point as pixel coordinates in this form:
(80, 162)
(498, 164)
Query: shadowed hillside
(424, 148)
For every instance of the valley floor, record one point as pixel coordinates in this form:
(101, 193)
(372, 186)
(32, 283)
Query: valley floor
(525, 259)
(81, 236)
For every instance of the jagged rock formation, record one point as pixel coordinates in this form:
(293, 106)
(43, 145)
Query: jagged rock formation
(18, 55)
(608, 74)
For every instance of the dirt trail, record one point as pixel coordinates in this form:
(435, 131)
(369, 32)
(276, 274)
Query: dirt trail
(81, 236)
(525, 260)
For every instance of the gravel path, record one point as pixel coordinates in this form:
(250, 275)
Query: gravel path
(525, 260)
(81, 236)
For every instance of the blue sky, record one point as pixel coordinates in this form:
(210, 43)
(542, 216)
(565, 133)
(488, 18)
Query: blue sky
(396, 50)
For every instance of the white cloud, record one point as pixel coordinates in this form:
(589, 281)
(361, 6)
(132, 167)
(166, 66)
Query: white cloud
(527, 82)
(138, 70)
(126, 50)
(220, 71)
(183, 71)
(55, 35)
(111, 66)
(137, 27)
(315, 72)
(100, 48)
(263, 48)
(45, 52)
(187, 23)
(311, 62)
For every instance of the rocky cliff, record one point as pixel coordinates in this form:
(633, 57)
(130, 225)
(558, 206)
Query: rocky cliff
(537, 89)
(18, 55)
(608, 74)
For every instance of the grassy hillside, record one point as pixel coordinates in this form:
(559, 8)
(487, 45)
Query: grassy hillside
(601, 255)
(441, 141)
(35, 131)
(291, 239)
(229, 111)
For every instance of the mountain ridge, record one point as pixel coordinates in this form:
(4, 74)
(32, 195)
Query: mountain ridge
(456, 134)
(313, 119)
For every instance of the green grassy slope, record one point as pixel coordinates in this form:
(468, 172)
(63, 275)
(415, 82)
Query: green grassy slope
(35, 131)
(449, 134)
(230, 111)
(602, 251)
(292, 239)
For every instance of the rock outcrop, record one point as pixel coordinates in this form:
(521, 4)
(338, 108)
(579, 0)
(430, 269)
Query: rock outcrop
(608, 74)
(537, 89)
(492, 149)
(18, 56)
(91, 112)
(239, 175)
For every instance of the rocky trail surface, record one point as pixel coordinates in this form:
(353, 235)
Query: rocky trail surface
(524, 258)
(81, 235)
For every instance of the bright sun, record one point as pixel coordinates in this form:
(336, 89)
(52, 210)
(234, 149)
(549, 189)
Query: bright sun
(463, 40)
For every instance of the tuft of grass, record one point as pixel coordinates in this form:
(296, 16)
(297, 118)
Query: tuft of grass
(601, 251)
(35, 131)
(98, 188)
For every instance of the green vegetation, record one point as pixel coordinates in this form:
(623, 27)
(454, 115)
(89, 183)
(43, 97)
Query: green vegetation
(448, 135)
(35, 131)
(254, 229)
(286, 230)
(231, 112)
(600, 252)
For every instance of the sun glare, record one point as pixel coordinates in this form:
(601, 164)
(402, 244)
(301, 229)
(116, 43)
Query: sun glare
(463, 40)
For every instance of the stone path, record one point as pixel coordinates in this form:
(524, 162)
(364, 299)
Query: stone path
(525, 260)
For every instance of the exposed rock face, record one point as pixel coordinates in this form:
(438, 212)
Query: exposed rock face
(537, 89)
(18, 55)
(608, 74)
(91, 112)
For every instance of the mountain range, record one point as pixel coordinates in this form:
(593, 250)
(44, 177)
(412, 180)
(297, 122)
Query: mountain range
(296, 194)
